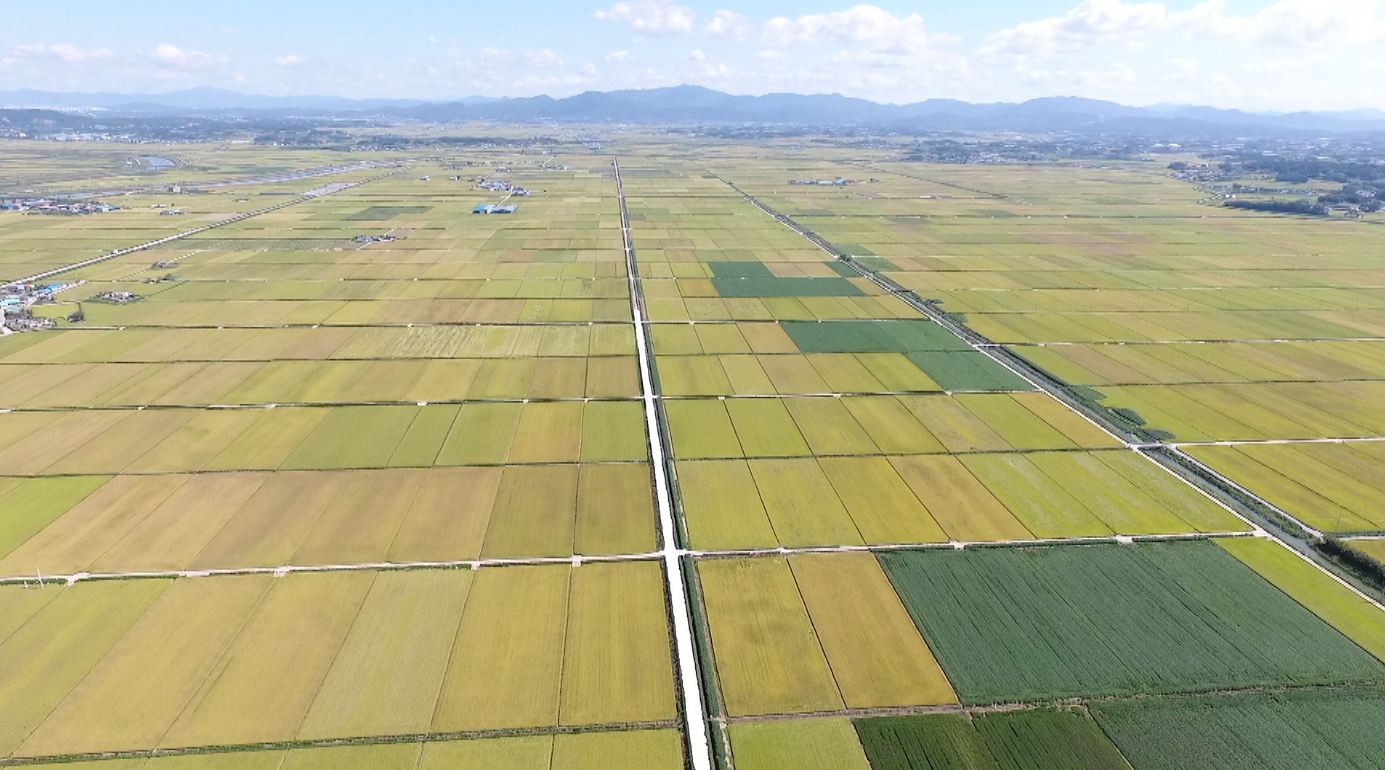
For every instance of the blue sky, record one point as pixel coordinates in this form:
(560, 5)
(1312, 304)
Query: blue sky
(1255, 54)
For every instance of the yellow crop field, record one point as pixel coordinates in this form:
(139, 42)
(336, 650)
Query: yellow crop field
(386, 676)
(51, 653)
(876, 653)
(507, 661)
(616, 662)
(119, 706)
(288, 645)
(768, 659)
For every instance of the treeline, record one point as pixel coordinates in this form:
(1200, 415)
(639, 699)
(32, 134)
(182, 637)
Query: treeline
(1363, 565)
(1306, 207)
(1300, 170)
(1363, 197)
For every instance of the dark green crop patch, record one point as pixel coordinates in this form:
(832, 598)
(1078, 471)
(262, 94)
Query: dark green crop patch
(786, 287)
(1327, 728)
(967, 370)
(1073, 621)
(1040, 739)
(871, 336)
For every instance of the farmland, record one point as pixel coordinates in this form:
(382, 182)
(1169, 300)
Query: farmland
(679, 465)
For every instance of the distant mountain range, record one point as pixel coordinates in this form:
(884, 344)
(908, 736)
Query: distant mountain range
(698, 105)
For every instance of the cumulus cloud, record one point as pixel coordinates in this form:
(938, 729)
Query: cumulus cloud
(620, 57)
(172, 56)
(290, 60)
(867, 28)
(1079, 28)
(651, 17)
(729, 24)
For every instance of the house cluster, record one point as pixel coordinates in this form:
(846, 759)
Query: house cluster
(173, 212)
(16, 301)
(22, 321)
(838, 182)
(495, 208)
(117, 297)
(62, 208)
(367, 239)
(31, 293)
(498, 185)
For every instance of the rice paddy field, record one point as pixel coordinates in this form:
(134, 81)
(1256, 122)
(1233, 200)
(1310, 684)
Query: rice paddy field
(1205, 326)
(643, 476)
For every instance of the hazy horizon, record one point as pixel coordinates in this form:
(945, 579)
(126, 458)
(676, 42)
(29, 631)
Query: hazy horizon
(1280, 56)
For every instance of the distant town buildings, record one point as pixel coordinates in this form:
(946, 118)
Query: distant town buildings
(54, 207)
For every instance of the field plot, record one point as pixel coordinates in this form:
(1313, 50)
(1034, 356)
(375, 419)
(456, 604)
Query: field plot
(929, 499)
(1372, 547)
(464, 390)
(311, 382)
(886, 527)
(809, 744)
(1324, 485)
(793, 425)
(303, 438)
(855, 425)
(815, 633)
(1203, 324)
(618, 750)
(222, 643)
(1018, 740)
(1347, 611)
(1107, 620)
(1339, 729)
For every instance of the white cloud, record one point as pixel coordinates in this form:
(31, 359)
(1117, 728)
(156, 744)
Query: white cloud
(729, 24)
(544, 57)
(290, 60)
(1081, 27)
(174, 57)
(652, 17)
(863, 27)
(65, 52)
(1292, 22)
(74, 55)
(620, 57)
(1283, 23)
